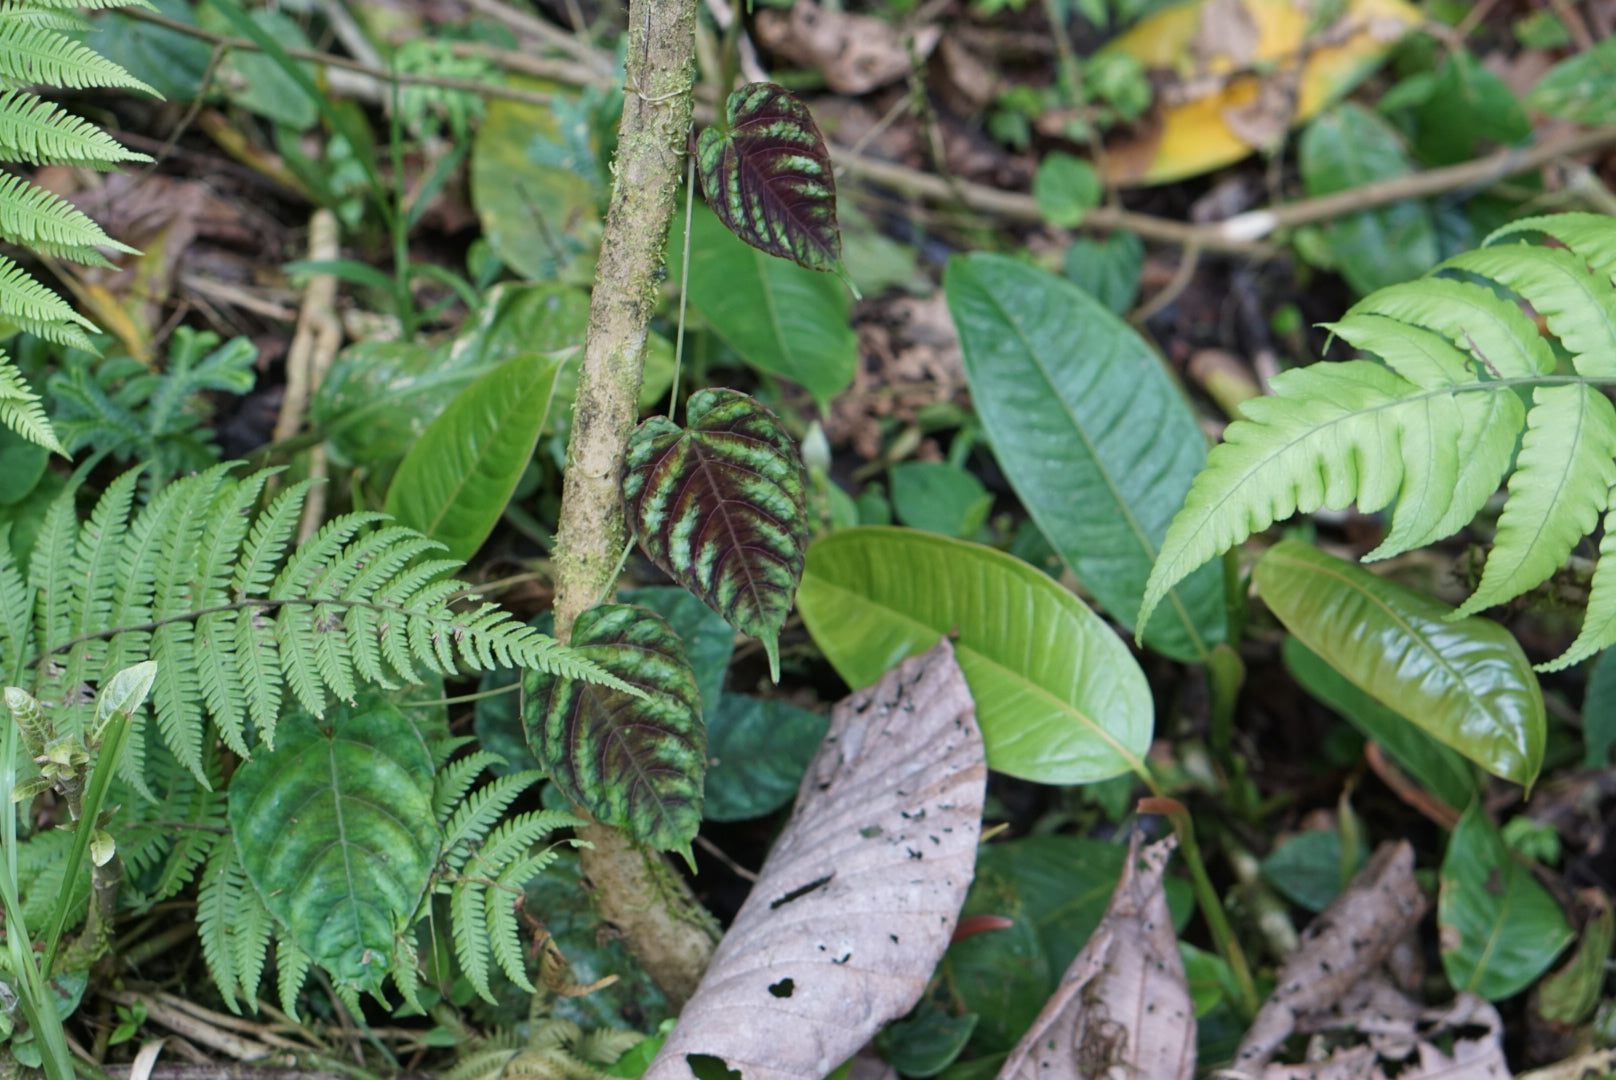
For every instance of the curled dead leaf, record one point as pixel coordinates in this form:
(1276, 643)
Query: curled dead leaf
(1348, 940)
(1123, 1007)
(855, 53)
(859, 897)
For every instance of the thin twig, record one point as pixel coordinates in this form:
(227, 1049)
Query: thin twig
(523, 23)
(1180, 281)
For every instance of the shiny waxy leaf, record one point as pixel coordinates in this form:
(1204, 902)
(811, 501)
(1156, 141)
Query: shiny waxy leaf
(781, 318)
(1500, 928)
(1059, 697)
(1466, 683)
(1093, 435)
(719, 506)
(454, 483)
(633, 763)
(335, 828)
(769, 180)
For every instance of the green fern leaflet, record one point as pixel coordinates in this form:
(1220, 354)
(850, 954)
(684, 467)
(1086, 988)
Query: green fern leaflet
(201, 582)
(1430, 427)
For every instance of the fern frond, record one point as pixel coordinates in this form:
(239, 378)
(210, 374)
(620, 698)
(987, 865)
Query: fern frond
(70, 21)
(455, 779)
(34, 308)
(43, 133)
(32, 55)
(604, 1046)
(1433, 423)
(292, 966)
(88, 5)
(16, 601)
(167, 832)
(20, 408)
(407, 975)
(109, 593)
(486, 1059)
(480, 812)
(469, 928)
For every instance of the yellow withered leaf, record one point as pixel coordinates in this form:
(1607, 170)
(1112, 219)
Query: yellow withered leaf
(1232, 76)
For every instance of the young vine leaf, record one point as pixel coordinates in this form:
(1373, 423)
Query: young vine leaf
(768, 177)
(634, 763)
(719, 506)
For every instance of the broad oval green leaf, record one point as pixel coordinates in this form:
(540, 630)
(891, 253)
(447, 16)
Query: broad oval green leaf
(1348, 147)
(634, 763)
(780, 317)
(1096, 439)
(538, 203)
(1466, 683)
(1059, 697)
(1442, 771)
(1500, 928)
(337, 834)
(767, 177)
(454, 483)
(720, 507)
(758, 750)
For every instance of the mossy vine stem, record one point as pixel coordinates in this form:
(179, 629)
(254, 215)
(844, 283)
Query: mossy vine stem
(636, 891)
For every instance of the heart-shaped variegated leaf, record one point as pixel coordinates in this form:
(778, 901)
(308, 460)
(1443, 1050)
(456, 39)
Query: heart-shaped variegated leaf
(637, 764)
(719, 506)
(768, 177)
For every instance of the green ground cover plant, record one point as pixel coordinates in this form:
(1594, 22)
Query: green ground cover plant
(231, 697)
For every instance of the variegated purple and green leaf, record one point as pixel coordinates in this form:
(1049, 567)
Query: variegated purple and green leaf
(719, 506)
(768, 177)
(638, 764)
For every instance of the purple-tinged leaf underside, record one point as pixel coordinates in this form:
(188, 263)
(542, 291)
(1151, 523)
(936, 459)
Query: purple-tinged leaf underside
(719, 506)
(769, 180)
(635, 764)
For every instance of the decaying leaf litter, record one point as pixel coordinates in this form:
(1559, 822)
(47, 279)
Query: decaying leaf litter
(1405, 1036)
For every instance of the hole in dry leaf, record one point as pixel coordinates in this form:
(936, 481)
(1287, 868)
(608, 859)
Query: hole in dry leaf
(711, 1067)
(783, 989)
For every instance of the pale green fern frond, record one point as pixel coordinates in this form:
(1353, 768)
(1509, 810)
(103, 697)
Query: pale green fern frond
(33, 55)
(20, 408)
(152, 582)
(292, 967)
(36, 309)
(41, 132)
(1462, 375)
(485, 878)
(234, 928)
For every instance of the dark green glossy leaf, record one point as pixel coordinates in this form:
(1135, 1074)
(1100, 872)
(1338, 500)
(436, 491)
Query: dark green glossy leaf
(336, 832)
(635, 764)
(781, 318)
(1466, 683)
(22, 463)
(1349, 147)
(757, 751)
(939, 498)
(1572, 993)
(1469, 112)
(1500, 928)
(1442, 771)
(170, 62)
(454, 483)
(720, 507)
(709, 641)
(1004, 976)
(927, 1041)
(1060, 698)
(1599, 712)
(1307, 868)
(768, 177)
(1108, 269)
(1093, 435)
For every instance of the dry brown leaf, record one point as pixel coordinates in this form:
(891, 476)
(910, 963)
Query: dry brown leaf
(1123, 1008)
(910, 361)
(1403, 1041)
(859, 897)
(1347, 941)
(855, 53)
